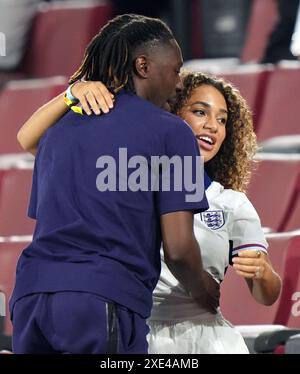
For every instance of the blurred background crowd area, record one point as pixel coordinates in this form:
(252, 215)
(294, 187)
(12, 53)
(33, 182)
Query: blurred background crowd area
(245, 30)
(254, 44)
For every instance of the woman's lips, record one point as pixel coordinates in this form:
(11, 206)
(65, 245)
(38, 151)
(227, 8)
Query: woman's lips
(204, 145)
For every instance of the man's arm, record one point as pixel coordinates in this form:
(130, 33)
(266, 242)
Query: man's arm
(183, 258)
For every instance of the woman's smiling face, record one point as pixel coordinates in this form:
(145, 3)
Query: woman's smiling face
(206, 113)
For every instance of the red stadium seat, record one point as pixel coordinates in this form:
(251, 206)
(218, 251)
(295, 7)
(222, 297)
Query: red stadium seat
(61, 33)
(288, 312)
(18, 101)
(6, 76)
(9, 254)
(285, 255)
(14, 199)
(279, 115)
(251, 81)
(292, 221)
(239, 307)
(272, 188)
(261, 22)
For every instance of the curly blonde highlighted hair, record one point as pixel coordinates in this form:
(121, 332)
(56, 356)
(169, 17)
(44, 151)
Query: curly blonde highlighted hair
(233, 164)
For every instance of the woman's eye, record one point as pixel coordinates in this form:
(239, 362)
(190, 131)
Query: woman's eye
(199, 112)
(223, 121)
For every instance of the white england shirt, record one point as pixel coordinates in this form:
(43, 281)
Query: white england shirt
(230, 225)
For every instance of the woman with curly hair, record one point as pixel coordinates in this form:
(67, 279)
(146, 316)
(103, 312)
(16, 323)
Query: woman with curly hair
(229, 233)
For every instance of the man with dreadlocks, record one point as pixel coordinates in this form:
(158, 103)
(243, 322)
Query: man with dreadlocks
(84, 284)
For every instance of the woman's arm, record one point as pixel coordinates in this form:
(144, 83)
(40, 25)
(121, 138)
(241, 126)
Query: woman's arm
(92, 95)
(263, 282)
(33, 129)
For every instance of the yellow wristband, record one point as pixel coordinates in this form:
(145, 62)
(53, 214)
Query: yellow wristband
(69, 102)
(77, 109)
(72, 106)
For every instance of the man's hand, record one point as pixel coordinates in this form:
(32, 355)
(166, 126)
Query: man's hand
(210, 298)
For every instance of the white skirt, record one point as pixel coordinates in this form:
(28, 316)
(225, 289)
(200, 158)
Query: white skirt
(195, 337)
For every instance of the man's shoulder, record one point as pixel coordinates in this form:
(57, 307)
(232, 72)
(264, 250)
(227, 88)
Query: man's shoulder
(175, 125)
(149, 111)
(169, 123)
(170, 119)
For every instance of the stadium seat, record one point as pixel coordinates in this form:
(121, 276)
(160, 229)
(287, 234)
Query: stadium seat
(18, 101)
(293, 345)
(60, 35)
(15, 189)
(251, 81)
(280, 110)
(272, 188)
(239, 307)
(282, 144)
(292, 221)
(6, 76)
(261, 22)
(9, 254)
(274, 341)
(288, 312)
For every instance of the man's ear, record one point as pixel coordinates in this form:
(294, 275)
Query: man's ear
(141, 66)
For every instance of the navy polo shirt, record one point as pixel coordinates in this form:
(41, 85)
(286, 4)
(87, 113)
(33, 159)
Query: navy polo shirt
(105, 242)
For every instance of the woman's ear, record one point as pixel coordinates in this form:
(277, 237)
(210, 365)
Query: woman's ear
(141, 66)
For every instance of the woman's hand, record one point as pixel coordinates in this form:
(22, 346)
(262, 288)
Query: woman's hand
(252, 265)
(93, 96)
(263, 282)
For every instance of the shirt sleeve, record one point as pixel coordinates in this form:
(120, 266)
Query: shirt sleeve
(246, 231)
(181, 187)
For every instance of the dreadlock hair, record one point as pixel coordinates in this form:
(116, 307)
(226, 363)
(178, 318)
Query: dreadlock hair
(109, 56)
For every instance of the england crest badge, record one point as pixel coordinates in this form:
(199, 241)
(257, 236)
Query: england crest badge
(214, 219)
